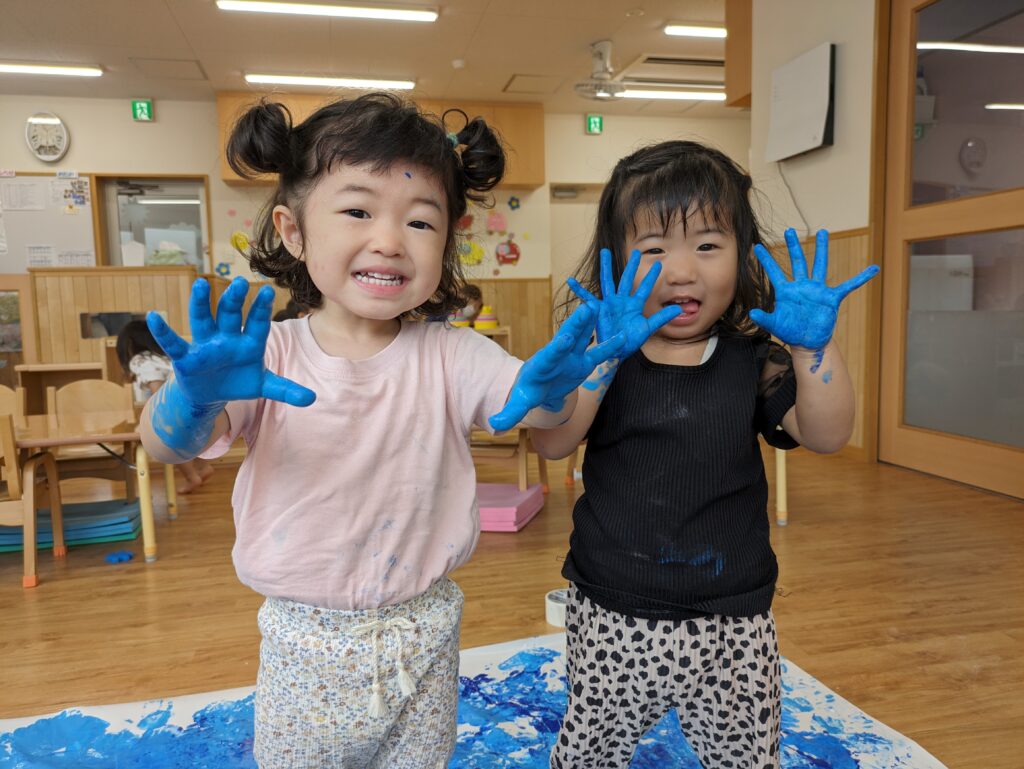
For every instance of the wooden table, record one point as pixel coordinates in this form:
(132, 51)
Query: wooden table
(42, 432)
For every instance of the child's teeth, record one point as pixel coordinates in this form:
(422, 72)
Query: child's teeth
(378, 279)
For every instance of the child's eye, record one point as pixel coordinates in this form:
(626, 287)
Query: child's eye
(707, 247)
(421, 225)
(358, 213)
(654, 251)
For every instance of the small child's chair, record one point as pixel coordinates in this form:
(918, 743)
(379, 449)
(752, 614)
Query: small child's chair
(104, 405)
(18, 500)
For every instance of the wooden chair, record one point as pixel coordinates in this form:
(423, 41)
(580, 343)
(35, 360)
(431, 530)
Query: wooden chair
(13, 402)
(18, 500)
(103, 405)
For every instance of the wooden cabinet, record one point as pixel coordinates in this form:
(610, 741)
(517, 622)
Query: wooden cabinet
(521, 127)
(738, 52)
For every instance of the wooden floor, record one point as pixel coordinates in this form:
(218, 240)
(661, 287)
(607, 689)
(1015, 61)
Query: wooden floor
(902, 592)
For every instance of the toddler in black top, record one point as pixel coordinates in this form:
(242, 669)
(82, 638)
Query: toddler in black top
(671, 566)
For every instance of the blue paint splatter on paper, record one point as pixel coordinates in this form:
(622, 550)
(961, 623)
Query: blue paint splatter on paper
(220, 735)
(509, 716)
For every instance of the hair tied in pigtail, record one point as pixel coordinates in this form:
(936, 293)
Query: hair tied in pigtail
(453, 136)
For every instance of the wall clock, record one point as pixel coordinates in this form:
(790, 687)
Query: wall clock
(47, 136)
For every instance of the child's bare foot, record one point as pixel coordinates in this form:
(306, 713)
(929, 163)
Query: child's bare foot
(190, 485)
(205, 470)
(193, 477)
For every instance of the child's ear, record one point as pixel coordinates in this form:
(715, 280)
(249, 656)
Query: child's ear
(287, 226)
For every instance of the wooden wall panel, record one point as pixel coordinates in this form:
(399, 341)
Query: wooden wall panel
(523, 304)
(62, 295)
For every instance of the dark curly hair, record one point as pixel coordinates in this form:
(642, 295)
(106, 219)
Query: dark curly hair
(671, 179)
(374, 130)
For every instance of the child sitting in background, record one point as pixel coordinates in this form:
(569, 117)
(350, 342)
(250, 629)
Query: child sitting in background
(147, 367)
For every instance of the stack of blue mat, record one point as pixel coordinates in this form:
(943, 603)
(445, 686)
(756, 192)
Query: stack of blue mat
(84, 523)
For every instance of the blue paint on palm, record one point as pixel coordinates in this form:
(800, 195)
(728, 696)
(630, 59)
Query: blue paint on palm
(556, 370)
(223, 363)
(805, 308)
(620, 310)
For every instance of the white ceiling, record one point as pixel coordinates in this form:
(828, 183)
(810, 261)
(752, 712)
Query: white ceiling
(189, 49)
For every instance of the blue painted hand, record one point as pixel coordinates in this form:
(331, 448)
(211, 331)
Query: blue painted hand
(557, 369)
(223, 363)
(620, 311)
(805, 308)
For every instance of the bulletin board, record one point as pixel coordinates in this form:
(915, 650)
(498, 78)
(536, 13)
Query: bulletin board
(46, 221)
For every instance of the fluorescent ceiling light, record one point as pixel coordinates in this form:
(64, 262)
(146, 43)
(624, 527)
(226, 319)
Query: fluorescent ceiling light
(694, 30)
(1004, 106)
(332, 82)
(344, 11)
(37, 120)
(975, 47)
(49, 69)
(167, 202)
(631, 93)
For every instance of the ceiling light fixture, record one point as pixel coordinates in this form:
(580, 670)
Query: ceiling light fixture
(631, 93)
(343, 11)
(167, 202)
(694, 30)
(332, 82)
(1007, 105)
(973, 47)
(49, 69)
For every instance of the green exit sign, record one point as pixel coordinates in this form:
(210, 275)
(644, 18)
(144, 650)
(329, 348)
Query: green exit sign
(142, 109)
(595, 124)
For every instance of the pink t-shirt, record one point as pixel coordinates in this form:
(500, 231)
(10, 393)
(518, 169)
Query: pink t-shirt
(367, 497)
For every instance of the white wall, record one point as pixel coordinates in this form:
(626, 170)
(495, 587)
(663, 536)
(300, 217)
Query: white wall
(573, 157)
(105, 139)
(831, 185)
(183, 140)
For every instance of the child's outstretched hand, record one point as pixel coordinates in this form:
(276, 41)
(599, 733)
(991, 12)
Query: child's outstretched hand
(620, 311)
(556, 369)
(805, 308)
(225, 362)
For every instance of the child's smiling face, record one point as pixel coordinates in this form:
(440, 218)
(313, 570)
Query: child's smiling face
(373, 242)
(699, 265)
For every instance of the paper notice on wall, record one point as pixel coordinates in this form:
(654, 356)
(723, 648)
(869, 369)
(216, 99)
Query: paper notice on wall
(40, 256)
(21, 196)
(69, 192)
(76, 259)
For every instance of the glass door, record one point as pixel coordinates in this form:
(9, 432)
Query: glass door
(952, 390)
